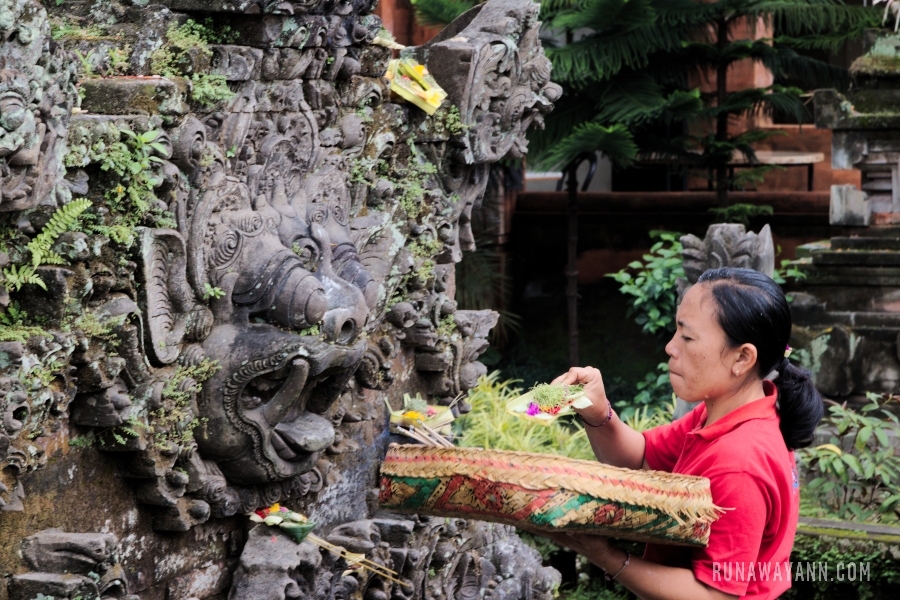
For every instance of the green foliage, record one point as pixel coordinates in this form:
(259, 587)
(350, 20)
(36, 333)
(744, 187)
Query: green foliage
(628, 69)
(489, 426)
(856, 475)
(314, 330)
(209, 90)
(66, 29)
(650, 416)
(85, 60)
(740, 213)
(16, 327)
(66, 218)
(785, 272)
(129, 160)
(14, 277)
(437, 13)
(410, 184)
(119, 60)
(653, 286)
(173, 423)
(651, 405)
(187, 43)
(882, 579)
(212, 292)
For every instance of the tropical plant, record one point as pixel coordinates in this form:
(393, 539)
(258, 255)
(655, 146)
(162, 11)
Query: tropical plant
(630, 68)
(856, 475)
(482, 283)
(653, 287)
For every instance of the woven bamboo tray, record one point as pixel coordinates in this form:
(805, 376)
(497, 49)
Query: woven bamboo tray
(548, 493)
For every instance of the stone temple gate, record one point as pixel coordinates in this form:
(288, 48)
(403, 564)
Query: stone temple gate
(223, 247)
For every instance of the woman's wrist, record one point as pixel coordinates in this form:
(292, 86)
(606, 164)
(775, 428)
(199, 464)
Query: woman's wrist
(606, 419)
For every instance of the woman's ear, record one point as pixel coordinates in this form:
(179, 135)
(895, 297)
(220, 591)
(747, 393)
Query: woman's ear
(744, 359)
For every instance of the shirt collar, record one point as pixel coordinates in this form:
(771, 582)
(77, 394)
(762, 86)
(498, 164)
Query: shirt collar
(764, 408)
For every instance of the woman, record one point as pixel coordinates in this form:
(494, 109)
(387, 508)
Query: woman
(732, 331)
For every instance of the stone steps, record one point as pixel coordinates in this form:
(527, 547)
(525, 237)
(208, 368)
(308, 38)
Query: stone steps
(872, 258)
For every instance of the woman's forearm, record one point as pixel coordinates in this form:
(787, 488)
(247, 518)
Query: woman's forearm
(650, 581)
(615, 443)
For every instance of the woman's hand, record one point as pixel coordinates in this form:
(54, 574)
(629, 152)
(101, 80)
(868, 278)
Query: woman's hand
(592, 381)
(595, 548)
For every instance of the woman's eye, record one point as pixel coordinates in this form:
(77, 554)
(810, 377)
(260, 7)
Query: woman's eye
(685, 338)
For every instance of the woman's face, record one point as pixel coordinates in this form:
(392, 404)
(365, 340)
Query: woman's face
(701, 364)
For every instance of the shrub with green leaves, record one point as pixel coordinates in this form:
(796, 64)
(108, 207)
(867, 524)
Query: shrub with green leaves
(653, 285)
(856, 475)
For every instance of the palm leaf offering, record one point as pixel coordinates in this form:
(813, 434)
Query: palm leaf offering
(548, 493)
(412, 82)
(421, 421)
(299, 528)
(547, 402)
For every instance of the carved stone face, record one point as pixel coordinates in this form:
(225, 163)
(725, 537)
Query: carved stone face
(268, 407)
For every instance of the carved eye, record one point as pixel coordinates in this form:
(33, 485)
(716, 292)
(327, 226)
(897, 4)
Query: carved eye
(319, 215)
(226, 250)
(308, 253)
(339, 214)
(251, 224)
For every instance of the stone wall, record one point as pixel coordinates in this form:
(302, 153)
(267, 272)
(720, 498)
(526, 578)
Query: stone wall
(224, 247)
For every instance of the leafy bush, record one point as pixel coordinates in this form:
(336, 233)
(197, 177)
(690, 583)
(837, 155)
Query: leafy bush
(740, 213)
(856, 475)
(653, 286)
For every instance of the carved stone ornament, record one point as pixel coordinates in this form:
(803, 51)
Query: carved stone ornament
(727, 245)
(266, 258)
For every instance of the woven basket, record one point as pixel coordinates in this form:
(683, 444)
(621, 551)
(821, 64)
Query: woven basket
(548, 493)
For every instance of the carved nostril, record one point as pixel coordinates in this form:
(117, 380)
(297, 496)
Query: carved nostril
(310, 309)
(347, 332)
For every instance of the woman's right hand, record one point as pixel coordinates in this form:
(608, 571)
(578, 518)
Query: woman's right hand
(592, 381)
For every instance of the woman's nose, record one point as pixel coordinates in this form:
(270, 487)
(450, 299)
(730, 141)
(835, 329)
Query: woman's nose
(670, 347)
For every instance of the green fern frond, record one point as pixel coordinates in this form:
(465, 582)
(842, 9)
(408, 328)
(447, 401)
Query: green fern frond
(66, 218)
(15, 277)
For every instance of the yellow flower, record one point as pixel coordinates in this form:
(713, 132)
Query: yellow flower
(413, 415)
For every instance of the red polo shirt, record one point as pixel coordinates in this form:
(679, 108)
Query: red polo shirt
(752, 473)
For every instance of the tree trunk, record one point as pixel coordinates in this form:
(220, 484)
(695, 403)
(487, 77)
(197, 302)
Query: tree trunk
(722, 120)
(571, 264)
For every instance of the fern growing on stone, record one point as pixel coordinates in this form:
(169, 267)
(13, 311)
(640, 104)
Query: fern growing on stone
(66, 218)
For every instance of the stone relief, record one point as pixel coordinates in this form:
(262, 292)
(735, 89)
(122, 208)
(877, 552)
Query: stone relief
(727, 245)
(37, 93)
(70, 565)
(434, 558)
(255, 274)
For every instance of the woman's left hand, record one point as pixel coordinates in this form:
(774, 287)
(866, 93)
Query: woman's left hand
(593, 547)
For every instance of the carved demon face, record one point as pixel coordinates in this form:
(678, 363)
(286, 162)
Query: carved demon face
(287, 327)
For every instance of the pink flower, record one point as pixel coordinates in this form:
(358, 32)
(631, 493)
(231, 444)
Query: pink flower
(533, 409)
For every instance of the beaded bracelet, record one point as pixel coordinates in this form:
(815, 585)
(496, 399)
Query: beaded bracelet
(605, 421)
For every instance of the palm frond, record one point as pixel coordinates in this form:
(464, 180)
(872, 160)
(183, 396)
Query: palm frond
(439, 13)
(615, 142)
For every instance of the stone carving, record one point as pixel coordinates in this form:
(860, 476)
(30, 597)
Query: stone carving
(434, 558)
(37, 94)
(70, 565)
(256, 274)
(727, 245)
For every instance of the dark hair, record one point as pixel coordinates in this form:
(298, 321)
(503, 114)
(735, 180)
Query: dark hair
(752, 309)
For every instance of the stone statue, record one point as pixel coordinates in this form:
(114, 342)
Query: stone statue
(222, 253)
